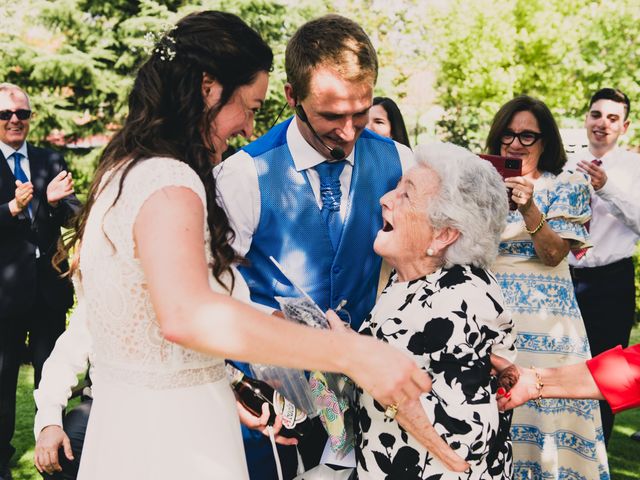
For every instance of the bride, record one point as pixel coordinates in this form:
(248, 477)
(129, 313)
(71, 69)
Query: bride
(156, 280)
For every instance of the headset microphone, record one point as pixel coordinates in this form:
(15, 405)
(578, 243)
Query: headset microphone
(336, 153)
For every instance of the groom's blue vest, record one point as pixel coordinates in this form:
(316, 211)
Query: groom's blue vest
(291, 228)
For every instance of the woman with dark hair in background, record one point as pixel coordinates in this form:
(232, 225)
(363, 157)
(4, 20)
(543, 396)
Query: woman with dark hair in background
(551, 438)
(154, 266)
(385, 119)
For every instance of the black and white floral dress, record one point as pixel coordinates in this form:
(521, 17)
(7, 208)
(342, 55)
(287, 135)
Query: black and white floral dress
(449, 321)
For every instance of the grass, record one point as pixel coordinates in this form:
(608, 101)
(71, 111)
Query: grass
(624, 453)
(22, 465)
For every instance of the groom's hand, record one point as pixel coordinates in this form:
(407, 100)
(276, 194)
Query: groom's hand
(261, 423)
(49, 441)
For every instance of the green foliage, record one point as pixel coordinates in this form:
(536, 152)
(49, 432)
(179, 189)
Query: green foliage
(636, 262)
(489, 51)
(77, 60)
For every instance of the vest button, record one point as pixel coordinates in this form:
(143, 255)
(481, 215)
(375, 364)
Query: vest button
(337, 269)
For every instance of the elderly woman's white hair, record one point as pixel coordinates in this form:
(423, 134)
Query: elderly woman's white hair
(472, 198)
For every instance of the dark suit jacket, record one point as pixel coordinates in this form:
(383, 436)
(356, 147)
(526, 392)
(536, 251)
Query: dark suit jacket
(19, 237)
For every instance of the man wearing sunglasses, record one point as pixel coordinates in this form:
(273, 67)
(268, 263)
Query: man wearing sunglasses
(36, 200)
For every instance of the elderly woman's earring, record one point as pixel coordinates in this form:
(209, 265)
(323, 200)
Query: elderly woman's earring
(430, 252)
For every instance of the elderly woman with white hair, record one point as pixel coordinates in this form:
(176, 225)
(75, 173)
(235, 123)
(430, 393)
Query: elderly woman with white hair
(441, 229)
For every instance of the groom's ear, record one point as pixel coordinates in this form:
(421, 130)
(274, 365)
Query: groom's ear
(290, 95)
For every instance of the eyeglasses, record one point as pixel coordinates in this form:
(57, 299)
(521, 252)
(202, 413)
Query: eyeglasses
(21, 114)
(526, 137)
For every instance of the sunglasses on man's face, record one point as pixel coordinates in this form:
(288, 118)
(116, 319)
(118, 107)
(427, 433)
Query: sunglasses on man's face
(21, 114)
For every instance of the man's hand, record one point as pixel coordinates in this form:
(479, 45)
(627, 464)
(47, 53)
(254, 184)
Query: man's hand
(24, 195)
(596, 173)
(60, 187)
(49, 441)
(261, 423)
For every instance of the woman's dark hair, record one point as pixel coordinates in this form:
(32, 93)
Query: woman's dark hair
(398, 128)
(553, 156)
(168, 116)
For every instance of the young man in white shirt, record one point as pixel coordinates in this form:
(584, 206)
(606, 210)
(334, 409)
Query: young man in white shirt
(604, 277)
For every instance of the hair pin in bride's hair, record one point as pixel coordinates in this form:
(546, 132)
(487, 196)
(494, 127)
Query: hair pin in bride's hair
(161, 43)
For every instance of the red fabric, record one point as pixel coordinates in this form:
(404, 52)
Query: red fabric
(617, 374)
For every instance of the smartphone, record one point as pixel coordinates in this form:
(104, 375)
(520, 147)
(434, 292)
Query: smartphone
(507, 167)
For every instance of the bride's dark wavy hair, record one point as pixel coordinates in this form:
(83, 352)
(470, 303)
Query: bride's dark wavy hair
(168, 117)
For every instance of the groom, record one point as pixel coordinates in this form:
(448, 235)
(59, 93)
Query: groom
(273, 192)
(307, 193)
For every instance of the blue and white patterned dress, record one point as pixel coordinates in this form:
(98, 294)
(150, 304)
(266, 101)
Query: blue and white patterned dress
(560, 439)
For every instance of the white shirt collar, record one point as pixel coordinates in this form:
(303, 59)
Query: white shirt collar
(613, 153)
(7, 150)
(304, 155)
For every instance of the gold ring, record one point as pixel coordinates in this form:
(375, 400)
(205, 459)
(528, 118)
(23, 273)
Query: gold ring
(391, 411)
(519, 194)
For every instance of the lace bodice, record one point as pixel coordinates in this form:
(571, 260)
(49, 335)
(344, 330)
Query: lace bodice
(127, 340)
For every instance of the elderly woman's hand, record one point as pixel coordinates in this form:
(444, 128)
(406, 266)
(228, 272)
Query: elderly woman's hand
(413, 419)
(521, 192)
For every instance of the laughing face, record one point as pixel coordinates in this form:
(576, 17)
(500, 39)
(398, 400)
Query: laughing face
(236, 117)
(14, 131)
(407, 232)
(605, 123)
(338, 109)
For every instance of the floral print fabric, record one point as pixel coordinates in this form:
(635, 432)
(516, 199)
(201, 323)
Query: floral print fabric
(449, 321)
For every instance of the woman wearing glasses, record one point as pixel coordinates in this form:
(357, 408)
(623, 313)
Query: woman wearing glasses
(551, 438)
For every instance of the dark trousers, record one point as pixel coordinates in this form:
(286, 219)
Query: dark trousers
(44, 326)
(260, 459)
(75, 426)
(607, 299)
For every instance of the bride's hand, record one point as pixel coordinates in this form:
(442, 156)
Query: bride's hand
(261, 423)
(387, 373)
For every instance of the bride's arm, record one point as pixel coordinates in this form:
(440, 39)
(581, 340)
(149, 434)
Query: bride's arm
(169, 238)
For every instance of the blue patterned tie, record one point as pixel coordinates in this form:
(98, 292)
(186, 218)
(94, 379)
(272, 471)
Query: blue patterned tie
(18, 172)
(330, 194)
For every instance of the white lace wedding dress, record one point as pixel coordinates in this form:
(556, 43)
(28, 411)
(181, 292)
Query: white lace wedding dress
(160, 411)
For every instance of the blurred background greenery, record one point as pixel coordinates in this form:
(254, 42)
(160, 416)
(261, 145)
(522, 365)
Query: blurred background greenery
(449, 63)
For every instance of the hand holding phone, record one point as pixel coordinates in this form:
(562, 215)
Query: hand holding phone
(506, 167)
